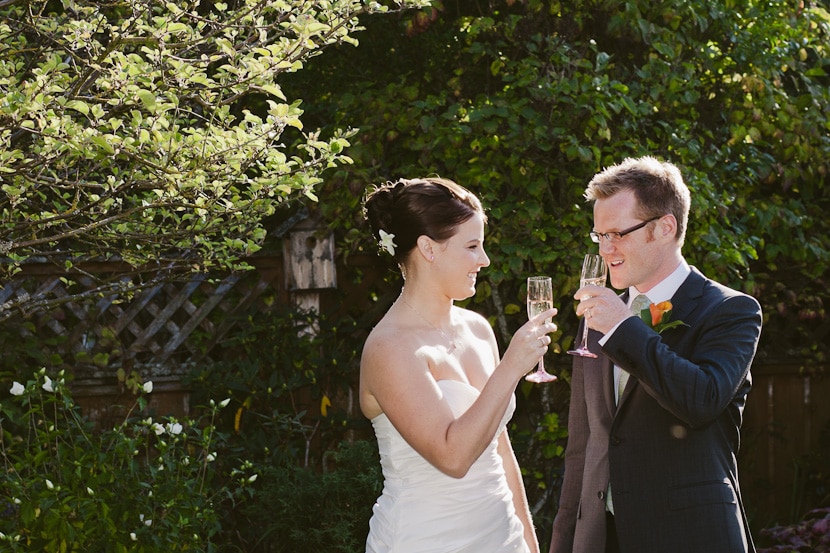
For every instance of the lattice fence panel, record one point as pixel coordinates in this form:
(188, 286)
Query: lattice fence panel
(154, 328)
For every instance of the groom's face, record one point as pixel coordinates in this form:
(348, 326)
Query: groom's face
(636, 258)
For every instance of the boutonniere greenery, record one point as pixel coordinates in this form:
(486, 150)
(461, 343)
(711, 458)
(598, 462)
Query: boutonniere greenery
(658, 316)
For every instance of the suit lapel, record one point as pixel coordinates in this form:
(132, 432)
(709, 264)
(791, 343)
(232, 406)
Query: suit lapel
(607, 372)
(598, 374)
(685, 300)
(631, 381)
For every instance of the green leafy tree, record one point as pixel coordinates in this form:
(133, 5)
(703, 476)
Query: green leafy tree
(151, 133)
(524, 102)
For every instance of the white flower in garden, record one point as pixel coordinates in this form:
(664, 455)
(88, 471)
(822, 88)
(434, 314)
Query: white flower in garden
(148, 386)
(89, 491)
(225, 402)
(157, 428)
(253, 478)
(17, 389)
(211, 457)
(148, 522)
(49, 484)
(48, 385)
(174, 428)
(133, 536)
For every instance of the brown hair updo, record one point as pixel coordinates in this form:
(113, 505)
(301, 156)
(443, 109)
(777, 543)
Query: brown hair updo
(410, 208)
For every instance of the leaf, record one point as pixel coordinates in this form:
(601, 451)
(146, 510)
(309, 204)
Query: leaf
(78, 106)
(148, 99)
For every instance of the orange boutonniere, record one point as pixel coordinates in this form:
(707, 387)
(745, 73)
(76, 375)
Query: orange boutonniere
(657, 317)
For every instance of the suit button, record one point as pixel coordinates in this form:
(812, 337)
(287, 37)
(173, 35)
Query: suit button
(601, 495)
(615, 441)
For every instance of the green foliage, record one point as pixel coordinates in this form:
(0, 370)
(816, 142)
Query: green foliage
(144, 485)
(151, 133)
(288, 387)
(290, 411)
(300, 510)
(524, 103)
(545, 444)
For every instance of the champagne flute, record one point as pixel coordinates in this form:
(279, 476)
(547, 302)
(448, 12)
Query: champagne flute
(594, 273)
(539, 299)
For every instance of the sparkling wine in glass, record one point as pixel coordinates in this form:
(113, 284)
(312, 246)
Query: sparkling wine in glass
(594, 273)
(539, 299)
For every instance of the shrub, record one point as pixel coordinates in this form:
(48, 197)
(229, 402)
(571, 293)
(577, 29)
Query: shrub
(143, 486)
(299, 509)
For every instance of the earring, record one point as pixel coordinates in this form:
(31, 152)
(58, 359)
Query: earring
(432, 258)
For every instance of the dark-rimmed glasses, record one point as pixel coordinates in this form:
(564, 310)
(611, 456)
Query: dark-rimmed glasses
(613, 237)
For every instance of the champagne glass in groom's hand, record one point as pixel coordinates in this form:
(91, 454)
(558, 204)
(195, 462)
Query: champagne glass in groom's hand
(594, 273)
(539, 299)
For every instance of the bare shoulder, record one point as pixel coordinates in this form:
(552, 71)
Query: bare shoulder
(386, 339)
(393, 359)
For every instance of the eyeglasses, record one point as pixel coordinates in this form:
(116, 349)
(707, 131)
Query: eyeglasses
(613, 237)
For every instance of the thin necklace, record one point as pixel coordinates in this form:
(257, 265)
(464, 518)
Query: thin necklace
(450, 341)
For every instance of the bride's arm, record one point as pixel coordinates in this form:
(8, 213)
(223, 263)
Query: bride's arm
(395, 374)
(514, 480)
(399, 380)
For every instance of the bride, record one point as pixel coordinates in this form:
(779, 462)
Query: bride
(433, 385)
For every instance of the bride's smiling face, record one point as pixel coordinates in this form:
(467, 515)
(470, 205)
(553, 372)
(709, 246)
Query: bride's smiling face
(462, 256)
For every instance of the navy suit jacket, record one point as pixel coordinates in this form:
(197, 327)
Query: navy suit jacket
(669, 449)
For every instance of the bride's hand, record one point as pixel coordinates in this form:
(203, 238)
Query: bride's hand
(530, 343)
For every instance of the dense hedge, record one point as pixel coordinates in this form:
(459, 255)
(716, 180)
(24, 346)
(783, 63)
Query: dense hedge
(524, 102)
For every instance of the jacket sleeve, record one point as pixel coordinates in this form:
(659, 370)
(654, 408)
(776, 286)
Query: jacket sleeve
(693, 371)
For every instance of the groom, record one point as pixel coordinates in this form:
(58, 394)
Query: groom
(654, 422)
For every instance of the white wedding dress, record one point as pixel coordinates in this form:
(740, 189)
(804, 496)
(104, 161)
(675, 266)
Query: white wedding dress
(423, 510)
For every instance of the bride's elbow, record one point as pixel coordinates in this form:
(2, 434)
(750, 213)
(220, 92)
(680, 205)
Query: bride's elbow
(454, 468)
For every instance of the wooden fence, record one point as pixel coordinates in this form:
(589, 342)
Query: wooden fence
(786, 427)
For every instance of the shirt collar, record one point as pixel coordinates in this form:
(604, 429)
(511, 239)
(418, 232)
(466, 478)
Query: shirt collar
(666, 288)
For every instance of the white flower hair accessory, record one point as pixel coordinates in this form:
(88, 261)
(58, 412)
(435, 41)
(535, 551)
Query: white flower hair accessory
(387, 242)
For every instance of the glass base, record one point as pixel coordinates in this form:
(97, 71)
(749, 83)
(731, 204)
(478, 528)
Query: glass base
(540, 376)
(582, 352)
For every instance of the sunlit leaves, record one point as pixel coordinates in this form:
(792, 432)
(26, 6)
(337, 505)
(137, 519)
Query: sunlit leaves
(147, 134)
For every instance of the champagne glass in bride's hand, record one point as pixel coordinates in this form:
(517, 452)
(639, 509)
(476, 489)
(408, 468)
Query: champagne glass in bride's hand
(539, 299)
(594, 273)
